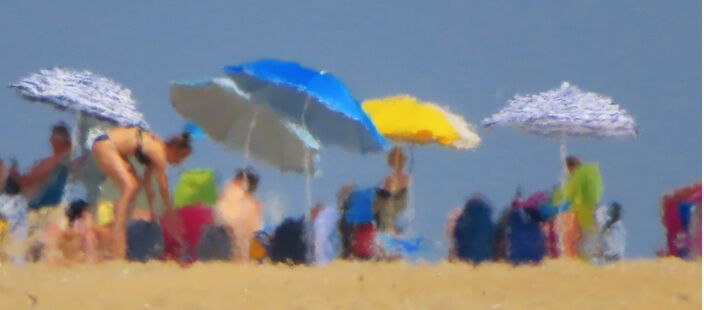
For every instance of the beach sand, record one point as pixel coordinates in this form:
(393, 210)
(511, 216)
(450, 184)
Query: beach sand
(647, 284)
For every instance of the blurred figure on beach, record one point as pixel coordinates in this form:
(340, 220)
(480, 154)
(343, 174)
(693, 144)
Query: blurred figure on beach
(612, 233)
(326, 238)
(450, 224)
(74, 237)
(358, 217)
(474, 231)
(681, 217)
(43, 185)
(344, 226)
(240, 212)
(13, 211)
(111, 150)
(392, 195)
(524, 236)
(582, 191)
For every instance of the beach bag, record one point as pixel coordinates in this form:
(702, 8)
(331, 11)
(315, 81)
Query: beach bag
(288, 242)
(144, 241)
(214, 244)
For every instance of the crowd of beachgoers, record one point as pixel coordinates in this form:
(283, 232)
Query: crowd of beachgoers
(38, 224)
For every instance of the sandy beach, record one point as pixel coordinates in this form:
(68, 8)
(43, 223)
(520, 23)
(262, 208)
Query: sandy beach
(645, 284)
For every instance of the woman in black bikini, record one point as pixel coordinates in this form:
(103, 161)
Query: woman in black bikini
(392, 196)
(111, 151)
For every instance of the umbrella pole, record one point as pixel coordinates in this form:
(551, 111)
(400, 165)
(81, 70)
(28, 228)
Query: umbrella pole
(252, 124)
(563, 156)
(306, 163)
(71, 184)
(411, 198)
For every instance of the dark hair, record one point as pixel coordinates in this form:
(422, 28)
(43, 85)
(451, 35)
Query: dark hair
(12, 186)
(60, 128)
(181, 141)
(615, 210)
(75, 210)
(250, 176)
(572, 161)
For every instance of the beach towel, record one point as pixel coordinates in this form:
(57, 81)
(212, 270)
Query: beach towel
(406, 247)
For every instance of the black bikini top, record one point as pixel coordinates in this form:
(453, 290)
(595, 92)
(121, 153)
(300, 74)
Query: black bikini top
(139, 151)
(383, 193)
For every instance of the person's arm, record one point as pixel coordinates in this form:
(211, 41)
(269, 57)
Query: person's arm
(147, 183)
(39, 172)
(172, 220)
(163, 184)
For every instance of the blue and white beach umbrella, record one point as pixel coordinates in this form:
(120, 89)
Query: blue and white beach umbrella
(82, 92)
(314, 99)
(566, 112)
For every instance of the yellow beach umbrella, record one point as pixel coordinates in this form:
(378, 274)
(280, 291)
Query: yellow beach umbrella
(406, 120)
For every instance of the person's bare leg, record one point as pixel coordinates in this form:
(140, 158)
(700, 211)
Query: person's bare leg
(119, 172)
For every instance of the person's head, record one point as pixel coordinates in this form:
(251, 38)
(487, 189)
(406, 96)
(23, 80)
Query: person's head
(60, 138)
(572, 163)
(248, 178)
(12, 185)
(178, 148)
(313, 213)
(396, 159)
(76, 209)
(615, 211)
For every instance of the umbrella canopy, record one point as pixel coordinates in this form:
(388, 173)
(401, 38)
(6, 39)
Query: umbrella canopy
(82, 92)
(566, 112)
(404, 119)
(228, 116)
(311, 98)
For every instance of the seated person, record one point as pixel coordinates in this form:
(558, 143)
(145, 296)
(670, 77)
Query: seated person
(43, 185)
(74, 238)
(613, 233)
(240, 212)
(13, 210)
